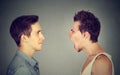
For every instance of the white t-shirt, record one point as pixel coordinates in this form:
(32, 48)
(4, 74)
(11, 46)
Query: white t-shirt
(88, 68)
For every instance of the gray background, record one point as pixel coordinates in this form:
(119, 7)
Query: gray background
(58, 56)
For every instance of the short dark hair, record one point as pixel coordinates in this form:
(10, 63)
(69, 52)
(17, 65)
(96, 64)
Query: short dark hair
(89, 22)
(22, 25)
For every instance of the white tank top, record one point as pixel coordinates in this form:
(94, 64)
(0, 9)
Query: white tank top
(88, 69)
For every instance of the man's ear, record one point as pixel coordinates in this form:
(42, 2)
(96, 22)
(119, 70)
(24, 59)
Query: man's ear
(86, 35)
(24, 37)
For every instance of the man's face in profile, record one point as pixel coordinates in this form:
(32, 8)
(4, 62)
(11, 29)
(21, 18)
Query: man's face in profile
(35, 40)
(76, 36)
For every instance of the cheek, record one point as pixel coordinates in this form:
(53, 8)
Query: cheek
(34, 39)
(75, 39)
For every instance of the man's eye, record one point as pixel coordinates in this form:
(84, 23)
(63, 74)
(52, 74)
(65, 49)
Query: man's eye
(38, 32)
(72, 30)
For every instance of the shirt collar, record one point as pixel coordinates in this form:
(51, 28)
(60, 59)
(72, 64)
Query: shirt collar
(31, 61)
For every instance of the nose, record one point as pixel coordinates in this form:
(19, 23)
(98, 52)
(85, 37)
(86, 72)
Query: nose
(42, 36)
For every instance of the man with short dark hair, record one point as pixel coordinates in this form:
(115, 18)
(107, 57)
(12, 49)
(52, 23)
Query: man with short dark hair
(84, 34)
(26, 32)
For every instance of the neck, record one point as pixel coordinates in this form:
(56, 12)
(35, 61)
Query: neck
(93, 49)
(27, 51)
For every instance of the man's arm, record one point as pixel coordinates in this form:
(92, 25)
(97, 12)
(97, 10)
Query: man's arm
(102, 66)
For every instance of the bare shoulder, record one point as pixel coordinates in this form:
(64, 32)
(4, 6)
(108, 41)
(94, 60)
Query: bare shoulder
(102, 65)
(103, 60)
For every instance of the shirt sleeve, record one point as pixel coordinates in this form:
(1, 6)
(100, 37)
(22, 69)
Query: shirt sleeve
(22, 71)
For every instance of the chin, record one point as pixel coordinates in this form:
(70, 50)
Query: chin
(76, 48)
(39, 49)
(79, 50)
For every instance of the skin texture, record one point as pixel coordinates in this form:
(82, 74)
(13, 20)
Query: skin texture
(102, 66)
